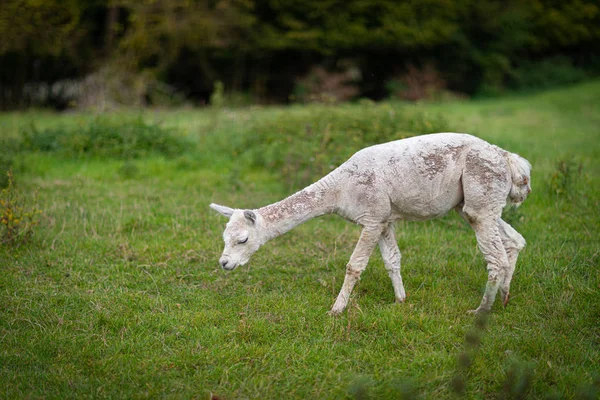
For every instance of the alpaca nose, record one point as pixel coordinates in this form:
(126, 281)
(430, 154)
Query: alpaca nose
(224, 262)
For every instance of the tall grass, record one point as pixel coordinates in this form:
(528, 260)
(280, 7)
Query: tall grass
(102, 137)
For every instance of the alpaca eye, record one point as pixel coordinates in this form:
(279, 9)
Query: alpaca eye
(243, 241)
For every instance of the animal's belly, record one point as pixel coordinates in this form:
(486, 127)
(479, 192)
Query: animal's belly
(426, 204)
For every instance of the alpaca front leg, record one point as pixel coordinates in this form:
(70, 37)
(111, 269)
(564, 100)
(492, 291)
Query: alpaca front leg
(352, 276)
(491, 289)
(357, 264)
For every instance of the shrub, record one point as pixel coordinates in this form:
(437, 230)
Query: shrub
(546, 73)
(418, 84)
(323, 86)
(303, 148)
(105, 138)
(17, 216)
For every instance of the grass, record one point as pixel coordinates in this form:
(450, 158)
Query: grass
(119, 293)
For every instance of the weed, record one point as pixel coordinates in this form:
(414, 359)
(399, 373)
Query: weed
(518, 381)
(17, 217)
(564, 177)
(6, 163)
(9, 147)
(465, 358)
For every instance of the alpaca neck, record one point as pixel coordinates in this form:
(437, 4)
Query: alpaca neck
(312, 201)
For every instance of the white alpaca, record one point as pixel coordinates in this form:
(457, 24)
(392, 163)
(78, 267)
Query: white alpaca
(418, 178)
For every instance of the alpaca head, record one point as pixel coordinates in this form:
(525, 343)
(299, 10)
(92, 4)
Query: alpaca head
(241, 236)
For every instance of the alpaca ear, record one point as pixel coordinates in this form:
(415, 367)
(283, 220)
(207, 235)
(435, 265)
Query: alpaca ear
(226, 211)
(250, 216)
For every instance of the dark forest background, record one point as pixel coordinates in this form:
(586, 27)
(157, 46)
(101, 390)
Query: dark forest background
(83, 53)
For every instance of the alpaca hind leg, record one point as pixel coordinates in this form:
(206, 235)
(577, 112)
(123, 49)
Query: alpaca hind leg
(513, 243)
(486, 182)
(490, 244)
(358, 262)
(391, 258)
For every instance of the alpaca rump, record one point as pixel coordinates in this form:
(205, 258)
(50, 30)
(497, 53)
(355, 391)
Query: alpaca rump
(418, 178)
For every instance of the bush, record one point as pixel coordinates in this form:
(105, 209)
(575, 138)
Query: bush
(105, 138)
(303, 148)
(418, 84)
(546, 73)
(323, 86)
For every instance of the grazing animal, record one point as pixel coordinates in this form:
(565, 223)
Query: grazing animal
(418, 178)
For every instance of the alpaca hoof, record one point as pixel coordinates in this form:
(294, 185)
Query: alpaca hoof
(334, 313)
(506, 299)
(479, 311)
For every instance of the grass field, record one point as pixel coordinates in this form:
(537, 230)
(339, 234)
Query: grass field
(119, 294)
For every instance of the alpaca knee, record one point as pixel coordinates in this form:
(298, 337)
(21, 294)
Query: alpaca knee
(510, 237)
(353, 272)
(392, 262)
(515, 242)
(494, 275)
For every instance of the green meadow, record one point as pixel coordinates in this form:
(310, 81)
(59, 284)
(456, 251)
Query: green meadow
(110, 285)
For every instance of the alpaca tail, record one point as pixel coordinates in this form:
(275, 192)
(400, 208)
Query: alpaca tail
(520, 171)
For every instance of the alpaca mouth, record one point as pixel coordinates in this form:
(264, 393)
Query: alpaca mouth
(229, 266)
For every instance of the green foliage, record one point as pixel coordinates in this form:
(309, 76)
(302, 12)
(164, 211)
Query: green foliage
(304, 147)
(18, 215)
(159, 30)
(555, 71)
(565, 23)
(261, 47)
(106, 138)
(326, 27)
(41, 27)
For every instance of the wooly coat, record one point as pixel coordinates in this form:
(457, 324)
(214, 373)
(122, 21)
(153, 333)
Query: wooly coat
(418, 178)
